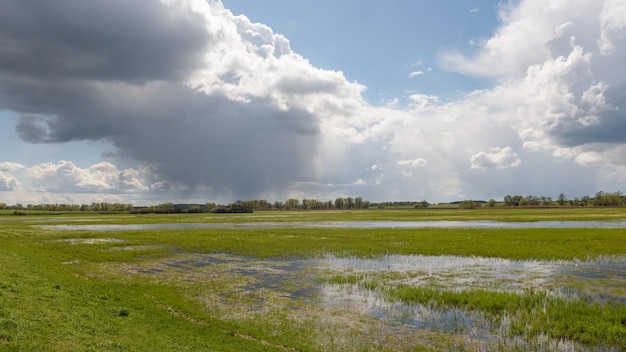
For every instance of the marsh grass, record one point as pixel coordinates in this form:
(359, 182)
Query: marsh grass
(532, 315)
(541, 315)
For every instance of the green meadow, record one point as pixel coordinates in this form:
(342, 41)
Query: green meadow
(264, 288)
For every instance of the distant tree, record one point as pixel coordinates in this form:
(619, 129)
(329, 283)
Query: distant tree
(3, 205)
(167, 207)
(315, 204)
(512, 201)
(561, 200)
(195, 209)
(585, 200)
(545, 200)
(608, 199)
(236, 207)
(349, 202)
(262, 204)
(339, 203)
(358, 202)
(291, 204)
(468, 204)
(530, 200)
(241, 207)
(491, 203)
(422, 204)
(278, 205)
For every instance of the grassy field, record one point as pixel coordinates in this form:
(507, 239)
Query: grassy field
(258, 289)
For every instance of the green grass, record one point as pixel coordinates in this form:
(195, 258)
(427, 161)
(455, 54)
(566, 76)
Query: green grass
(49, 306)
(59, 296)
(514, 244)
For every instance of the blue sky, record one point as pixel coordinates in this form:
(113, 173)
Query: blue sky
(379, 44)
(196, 101)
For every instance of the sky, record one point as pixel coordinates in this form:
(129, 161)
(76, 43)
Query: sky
(195, 101)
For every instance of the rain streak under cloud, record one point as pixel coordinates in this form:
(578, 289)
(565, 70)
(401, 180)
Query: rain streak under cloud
(196, 102)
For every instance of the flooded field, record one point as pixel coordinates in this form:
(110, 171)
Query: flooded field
(350, 304)
(591, 224)
(315, 281)
(532, 280)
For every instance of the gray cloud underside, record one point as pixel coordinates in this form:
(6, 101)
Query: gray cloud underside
(128, 40)
(88, 70)
(190, 137)
(610, 128)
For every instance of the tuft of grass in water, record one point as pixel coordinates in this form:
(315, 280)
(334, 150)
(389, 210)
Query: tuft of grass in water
(531, 313)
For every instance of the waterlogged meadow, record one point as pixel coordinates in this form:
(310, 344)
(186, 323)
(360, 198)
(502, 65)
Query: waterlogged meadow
(321, 283)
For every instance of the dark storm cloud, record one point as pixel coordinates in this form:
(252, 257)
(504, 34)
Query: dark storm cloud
(31, 129)
(115, 71)
(196, 139)
(243, 148)
(129, 40)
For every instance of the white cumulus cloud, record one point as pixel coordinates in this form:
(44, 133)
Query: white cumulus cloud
(65, 176)
(7, 166)
(419, 162)
(498, 158)
(9, 183)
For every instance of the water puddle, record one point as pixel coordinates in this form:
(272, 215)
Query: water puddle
(237, 287)
(451, 321)
(465, 273)
(604, 224)
(601, 280)
(285, 278)
(58, 219)
(90, 240)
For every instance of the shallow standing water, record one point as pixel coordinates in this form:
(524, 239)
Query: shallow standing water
(256, 284)
(262, 282)
(604, 224)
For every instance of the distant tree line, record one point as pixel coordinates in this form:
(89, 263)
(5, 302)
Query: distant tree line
(314, 204)
(97, 207)
(401, 204)
(240, 206)
(248, 206)
(601, 199)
